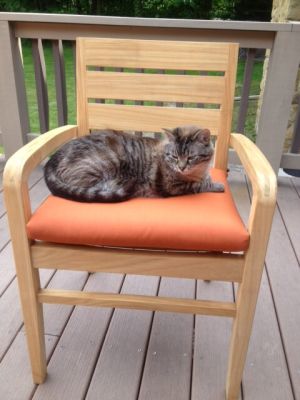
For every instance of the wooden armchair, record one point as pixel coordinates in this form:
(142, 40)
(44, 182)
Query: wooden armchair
(223, 249)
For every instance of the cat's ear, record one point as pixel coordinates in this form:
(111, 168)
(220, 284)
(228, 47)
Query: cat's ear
(170, 133)
(204, 136)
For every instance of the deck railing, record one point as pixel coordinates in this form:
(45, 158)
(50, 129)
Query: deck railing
(283, 41)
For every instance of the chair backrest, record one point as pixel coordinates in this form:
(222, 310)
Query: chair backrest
(147, 85)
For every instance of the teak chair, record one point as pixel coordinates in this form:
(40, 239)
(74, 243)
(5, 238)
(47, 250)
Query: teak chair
(164, 237)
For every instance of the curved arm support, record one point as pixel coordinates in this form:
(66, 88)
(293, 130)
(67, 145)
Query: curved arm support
(22, 163)
(264, 186)
(262, 178)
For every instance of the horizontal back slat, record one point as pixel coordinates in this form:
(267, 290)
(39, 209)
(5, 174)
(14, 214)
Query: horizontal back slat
(156, 54)
(174, 85)
(149, 118)
(156, 87)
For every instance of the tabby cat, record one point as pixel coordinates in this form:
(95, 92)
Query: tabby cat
(111, 166)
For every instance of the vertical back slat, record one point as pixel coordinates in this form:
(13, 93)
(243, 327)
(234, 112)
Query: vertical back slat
(139, 103)
(82, 114)
(158, 135)
(41, 84)
(246, 90)
(222, 144)
(60, 82)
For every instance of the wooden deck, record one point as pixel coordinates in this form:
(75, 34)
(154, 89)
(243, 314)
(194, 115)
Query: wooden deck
(118, 354)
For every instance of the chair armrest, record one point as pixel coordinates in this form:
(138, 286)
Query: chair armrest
(21, 164)
(24, 160)
(262, 178)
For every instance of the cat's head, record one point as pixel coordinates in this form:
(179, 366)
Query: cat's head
(188, 151)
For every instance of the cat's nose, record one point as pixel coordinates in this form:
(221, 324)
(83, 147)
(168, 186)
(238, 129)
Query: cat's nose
(182, 164)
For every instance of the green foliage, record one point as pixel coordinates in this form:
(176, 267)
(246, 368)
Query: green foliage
(53, 6)
(223, 9)
(175, 8)
(31, 87)
(191, 9)
(249, 10)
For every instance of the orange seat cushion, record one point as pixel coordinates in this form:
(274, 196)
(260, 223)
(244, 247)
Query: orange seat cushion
(205, 221)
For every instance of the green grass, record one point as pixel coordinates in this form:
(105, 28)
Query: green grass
(254, 90)
(31, 87)
(70, 82)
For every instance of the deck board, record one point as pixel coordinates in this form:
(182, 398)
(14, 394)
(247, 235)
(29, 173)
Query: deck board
(284, 276)
(10, 313)
(124, 349)
(131, 354)
(289, 206)
(167, 372)
(2, 163)
(296, 183)
(265, 367)
(7, 270)
(34, 179)
(79, 346)
(15, 372)
(211, 347)
(56, 315)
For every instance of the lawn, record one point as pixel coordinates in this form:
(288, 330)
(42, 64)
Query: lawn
(70, 82)
(31, 89)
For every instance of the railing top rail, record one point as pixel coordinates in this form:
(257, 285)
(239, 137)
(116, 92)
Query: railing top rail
(295, 25)
(150, 22)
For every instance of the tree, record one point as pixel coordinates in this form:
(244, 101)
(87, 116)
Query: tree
(191, 9)
(254, 10)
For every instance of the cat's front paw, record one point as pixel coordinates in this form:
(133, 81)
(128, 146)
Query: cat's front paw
(217, 187)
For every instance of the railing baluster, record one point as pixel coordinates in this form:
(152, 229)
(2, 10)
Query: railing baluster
(246, 90)
(21, 50)
(74, 65)
(74, 58)
(60, 82)
(13, 101)
(295, 147)
(41, 84)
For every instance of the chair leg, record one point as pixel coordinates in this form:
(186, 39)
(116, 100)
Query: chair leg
(29, 284)
(242, 324)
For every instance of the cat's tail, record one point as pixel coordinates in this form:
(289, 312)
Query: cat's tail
(104, 192)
